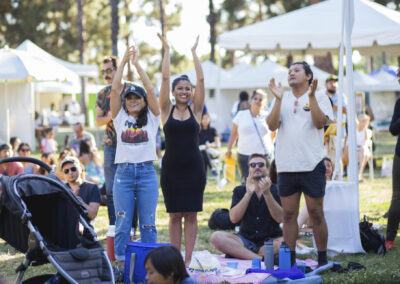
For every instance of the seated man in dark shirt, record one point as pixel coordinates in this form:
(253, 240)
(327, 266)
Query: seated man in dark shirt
(87, 193)
(257, 207)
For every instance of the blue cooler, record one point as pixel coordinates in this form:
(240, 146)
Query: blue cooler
(136, 253)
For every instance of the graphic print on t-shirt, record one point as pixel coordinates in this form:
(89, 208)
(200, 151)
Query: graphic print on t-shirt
(134, 134)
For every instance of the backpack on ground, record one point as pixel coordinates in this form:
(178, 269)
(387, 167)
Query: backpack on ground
(371, 239)
(220, 220)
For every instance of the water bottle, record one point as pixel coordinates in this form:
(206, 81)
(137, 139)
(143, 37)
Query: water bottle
(269, 254)
(284, 257)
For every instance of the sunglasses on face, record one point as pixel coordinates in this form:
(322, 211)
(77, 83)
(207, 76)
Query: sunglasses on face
(25, 150)
(108, 71)
(73, 169)
(259, 164)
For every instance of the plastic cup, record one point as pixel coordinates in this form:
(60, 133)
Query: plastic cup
(256, 263)
(232, 264)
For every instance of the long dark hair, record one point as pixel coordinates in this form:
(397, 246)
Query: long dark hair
(168, 260)
(84, 148)
(141, 119)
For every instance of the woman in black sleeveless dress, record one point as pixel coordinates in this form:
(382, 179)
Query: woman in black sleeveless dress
(183, 176)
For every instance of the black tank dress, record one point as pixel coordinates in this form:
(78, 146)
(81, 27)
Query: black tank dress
(183, 177)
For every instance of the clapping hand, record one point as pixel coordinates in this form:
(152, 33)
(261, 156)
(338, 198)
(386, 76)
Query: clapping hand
(313, 87)
(130, 51)
(250, 187)
(265, 184)
(277, 91)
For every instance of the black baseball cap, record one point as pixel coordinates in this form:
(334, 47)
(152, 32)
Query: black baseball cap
(332, 77)
(135, 89)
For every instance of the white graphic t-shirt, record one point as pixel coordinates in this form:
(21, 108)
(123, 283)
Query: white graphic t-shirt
(135, 144)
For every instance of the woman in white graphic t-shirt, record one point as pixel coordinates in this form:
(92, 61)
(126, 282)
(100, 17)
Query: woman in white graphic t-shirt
(136, 117)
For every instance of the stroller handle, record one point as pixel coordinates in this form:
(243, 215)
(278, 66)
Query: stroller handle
(27, 159)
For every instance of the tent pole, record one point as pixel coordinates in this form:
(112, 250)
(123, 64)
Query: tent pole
(218, 93)
(7, 113)
(339, 130)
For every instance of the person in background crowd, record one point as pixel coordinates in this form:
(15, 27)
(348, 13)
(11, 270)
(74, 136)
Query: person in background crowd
(65, 152)
(136, 117)
(256, 206)
(183, 177)
(49, 143)
(209, 142)
(164, 265)
(14, 142)
(103, 117)
(9, 169)
(241, 104)
(49, 159)
(300, 116)
(394, 210)
(364, 145)
(90, 158)
(80, 134)
(251, 131)
(24, 150)
(88, 193)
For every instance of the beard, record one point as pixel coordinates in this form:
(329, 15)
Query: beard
(331, 91)
(259, 176)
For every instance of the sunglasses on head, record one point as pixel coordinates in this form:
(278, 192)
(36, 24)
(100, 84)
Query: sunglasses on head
(259, 164)
(108, 71)
(25, 150)
(73, 169)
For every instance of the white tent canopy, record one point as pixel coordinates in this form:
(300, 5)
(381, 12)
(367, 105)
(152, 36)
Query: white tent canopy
(316, 29)
(210, 71)
(387, 82)
(83, 70)
(365, 83)
(19, 72)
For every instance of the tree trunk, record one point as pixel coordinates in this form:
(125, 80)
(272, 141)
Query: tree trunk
(81, 47)
(163, 25)
(324, 63)
(130, 72)
(289, 60)
(212, 20)
(114, 26)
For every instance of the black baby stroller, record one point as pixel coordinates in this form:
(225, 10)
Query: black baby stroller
(39, 216)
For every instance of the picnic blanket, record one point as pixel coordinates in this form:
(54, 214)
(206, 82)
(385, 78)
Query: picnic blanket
(238, 275)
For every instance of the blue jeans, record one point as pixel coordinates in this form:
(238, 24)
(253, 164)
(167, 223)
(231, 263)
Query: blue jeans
(109, 173)
(135, 181)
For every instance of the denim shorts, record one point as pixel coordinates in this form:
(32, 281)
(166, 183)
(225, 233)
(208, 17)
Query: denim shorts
(310, 183)
(249, 244)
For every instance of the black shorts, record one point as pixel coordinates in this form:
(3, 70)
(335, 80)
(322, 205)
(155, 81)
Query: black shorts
(310, 183)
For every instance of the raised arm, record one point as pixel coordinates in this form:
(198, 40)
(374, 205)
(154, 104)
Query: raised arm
(318, 117)
(232, 139)
(199, 91)
(237, 212)
(274, 118)
(151, 94)
(117, 85)
(164, 100)
(273, 206)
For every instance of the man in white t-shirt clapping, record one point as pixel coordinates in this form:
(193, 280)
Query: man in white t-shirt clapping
(300, 116)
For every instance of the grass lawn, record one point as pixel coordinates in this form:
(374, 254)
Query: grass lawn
(374, 202)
